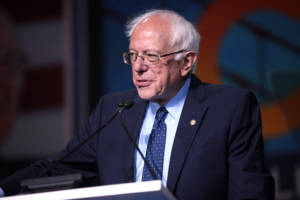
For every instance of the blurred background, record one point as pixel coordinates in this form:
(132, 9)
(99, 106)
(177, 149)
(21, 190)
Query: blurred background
(58, 58)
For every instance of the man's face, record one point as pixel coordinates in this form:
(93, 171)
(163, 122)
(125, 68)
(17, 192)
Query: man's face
(160, 82)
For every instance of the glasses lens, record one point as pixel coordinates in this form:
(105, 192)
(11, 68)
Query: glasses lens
(151, 59)
(126, 58)
(132, 56)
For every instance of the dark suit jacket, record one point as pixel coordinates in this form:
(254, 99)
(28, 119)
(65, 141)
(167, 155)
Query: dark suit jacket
(220, 157)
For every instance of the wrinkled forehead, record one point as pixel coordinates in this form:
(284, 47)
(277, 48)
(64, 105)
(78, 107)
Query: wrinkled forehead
(153, 31)
(157, 20)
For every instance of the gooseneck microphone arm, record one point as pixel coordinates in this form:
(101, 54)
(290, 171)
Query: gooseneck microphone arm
(42, 183)
(121, 107)
(137, 148)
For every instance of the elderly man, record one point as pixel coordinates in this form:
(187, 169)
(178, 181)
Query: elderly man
(203, 141)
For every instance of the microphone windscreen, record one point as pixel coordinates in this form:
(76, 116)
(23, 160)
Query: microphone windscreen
(129, 103)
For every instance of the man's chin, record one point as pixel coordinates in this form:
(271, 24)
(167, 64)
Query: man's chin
(146, 95)
(151, 97)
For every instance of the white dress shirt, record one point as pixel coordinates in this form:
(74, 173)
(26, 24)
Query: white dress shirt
(174, 108)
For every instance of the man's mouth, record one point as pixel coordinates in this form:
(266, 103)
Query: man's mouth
(143, 83)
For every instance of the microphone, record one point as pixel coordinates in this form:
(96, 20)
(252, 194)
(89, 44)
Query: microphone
(45, 182)
(125, 105)
(136, 146)
(121, 107)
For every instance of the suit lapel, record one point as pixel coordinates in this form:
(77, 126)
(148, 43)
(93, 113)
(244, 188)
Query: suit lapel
(192, 115)
(133, 119)
(185, 134)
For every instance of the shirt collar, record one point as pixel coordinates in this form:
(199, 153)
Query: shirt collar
(175, 105)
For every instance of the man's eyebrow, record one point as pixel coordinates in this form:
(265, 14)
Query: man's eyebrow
(146, 50)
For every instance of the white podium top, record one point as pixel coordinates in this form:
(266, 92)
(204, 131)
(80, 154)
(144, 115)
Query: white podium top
(132, 191)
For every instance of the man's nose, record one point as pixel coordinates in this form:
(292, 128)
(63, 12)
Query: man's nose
(139, 65)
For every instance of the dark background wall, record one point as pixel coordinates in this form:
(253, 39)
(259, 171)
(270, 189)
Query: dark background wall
(39, 128)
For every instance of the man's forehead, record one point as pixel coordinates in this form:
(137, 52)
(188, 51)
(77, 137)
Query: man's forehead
(155, 21)
(153, 28)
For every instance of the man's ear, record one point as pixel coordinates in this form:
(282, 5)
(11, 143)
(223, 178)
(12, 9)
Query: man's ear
(189, 59)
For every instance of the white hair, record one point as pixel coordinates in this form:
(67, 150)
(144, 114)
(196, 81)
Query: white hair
(185, 36)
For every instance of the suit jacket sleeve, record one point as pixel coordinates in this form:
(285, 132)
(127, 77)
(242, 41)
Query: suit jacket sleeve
(248, 177)
(82, 161)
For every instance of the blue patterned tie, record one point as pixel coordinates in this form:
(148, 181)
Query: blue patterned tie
(156, 146)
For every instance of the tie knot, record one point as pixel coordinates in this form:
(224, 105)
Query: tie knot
(161, 114)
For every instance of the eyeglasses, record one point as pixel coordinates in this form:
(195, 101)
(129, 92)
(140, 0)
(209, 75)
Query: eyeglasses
(148, 58)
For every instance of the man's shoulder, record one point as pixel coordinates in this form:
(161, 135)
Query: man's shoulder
(224, 89)
(126, 93)
(228, 95)
(109, 102)
(212, 90)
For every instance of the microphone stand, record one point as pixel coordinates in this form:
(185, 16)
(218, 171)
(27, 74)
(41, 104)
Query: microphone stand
(66, 181)
(140, 152)
(137, 148)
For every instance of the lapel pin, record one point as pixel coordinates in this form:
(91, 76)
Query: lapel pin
(192, 122)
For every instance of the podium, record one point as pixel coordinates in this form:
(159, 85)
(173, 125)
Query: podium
(149, 190)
